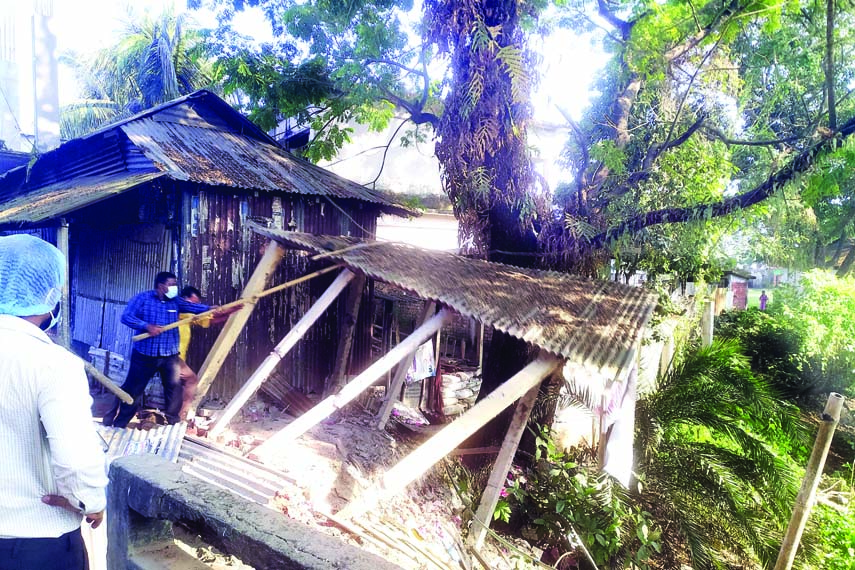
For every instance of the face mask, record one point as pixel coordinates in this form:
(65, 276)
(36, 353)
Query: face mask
(55, 319)
(172, 291)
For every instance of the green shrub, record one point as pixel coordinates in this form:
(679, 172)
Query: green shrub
(836, 537)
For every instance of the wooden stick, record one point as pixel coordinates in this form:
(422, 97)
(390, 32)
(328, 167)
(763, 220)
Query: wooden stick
(499, 475)
(401, 373)
(442, 443)
(344, 250)
(107, 383)
(345, 342)
(297, 332)
(353, 388)
(250, 299)
(813, 473)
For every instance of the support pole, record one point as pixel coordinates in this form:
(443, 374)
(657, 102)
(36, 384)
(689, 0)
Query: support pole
(490, 497)
(355, 387)
(442, 443)
(233, 327)
(813, 473)
(401, 373)
(345, 343)
(64, 331)
(297, 332)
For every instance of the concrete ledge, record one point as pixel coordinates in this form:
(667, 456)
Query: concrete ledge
(147, 494)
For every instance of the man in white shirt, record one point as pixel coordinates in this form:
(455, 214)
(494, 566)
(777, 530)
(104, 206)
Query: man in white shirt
(52, 473)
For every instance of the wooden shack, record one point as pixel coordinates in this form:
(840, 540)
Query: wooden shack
(174, 188)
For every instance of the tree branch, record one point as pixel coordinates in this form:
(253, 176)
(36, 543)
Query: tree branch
(716, 133)
(729, 205)
(829, 64)
(624, 27)
(417, 115)
(385, 152)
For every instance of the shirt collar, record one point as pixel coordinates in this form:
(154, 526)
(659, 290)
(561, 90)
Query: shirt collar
(19, 325)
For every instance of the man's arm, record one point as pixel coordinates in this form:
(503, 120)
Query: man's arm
(186, 306)
(130, 317)
(77, 458)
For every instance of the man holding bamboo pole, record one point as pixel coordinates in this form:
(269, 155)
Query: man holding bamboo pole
(151, 312)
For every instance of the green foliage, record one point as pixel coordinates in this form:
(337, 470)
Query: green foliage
(822, 311)
(713, 443)
(158, 58)
(558, 498)
(774, 347)
(837, 536)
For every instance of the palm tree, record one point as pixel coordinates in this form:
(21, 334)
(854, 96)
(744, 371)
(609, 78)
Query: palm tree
(713, 445)
(155, 60)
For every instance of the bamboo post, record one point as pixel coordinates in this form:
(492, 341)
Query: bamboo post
(355, 387)
(813, 473)
(297, 332)
(442, 443)
(65, 302)
(345, 343)
(233, 327)
(499, 474)
(401, 373)
(107, 383)
(242, 301)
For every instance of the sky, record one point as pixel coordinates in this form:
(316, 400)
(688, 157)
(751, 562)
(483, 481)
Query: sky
(568, 66)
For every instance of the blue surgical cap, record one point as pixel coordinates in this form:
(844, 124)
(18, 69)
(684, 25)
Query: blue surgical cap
(32, 272)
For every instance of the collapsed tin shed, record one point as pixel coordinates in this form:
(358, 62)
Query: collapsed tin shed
(174, 188)
(595, 325)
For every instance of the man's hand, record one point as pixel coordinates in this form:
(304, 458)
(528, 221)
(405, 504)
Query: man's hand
(153, 330)
(94, 519)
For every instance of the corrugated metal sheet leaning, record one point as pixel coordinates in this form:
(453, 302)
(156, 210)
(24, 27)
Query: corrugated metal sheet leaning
(595, 324)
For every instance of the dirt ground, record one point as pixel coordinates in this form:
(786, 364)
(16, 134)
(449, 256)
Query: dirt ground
(337, 460)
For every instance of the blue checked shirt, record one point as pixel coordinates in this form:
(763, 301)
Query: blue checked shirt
(147, 309)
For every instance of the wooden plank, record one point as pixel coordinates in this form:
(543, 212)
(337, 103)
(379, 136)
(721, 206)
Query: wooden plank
(441, 444)
(290, 340)
(345, 343)
(64, 329)
(499, 474)
(355, 387)
(393, 393)
(231, 330)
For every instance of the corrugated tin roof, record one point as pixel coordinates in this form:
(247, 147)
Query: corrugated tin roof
(198, 137)
(207, 155)
(596, 324)
(61, 198)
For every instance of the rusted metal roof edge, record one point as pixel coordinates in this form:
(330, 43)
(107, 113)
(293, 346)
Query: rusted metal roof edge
(68, 196)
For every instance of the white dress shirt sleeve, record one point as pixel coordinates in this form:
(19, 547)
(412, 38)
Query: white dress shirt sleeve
(77, 458)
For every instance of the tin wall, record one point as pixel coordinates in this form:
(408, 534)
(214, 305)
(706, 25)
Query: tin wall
(219, 254)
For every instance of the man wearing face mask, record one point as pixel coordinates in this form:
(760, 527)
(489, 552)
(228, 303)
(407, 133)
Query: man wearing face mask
(149, 312)
(53, 470)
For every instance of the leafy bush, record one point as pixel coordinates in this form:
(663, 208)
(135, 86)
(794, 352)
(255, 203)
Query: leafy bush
(713, 443)
(561, 499)
(837, 537)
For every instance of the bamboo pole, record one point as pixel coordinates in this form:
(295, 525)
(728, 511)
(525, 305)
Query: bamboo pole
(297, 332)
(496, 482)
(401, 373)
(355, 387)
(65, 302)
(107, 383)
(813, 473)
(251, 299)
(231, 330)
(443, 442)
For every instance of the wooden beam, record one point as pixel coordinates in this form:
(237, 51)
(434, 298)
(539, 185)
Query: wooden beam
(297, 332)
(499, 475)
(393, 393)
(442, 443)
(355, 387)
(345, 343)
(64, 332)
(231, 330)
